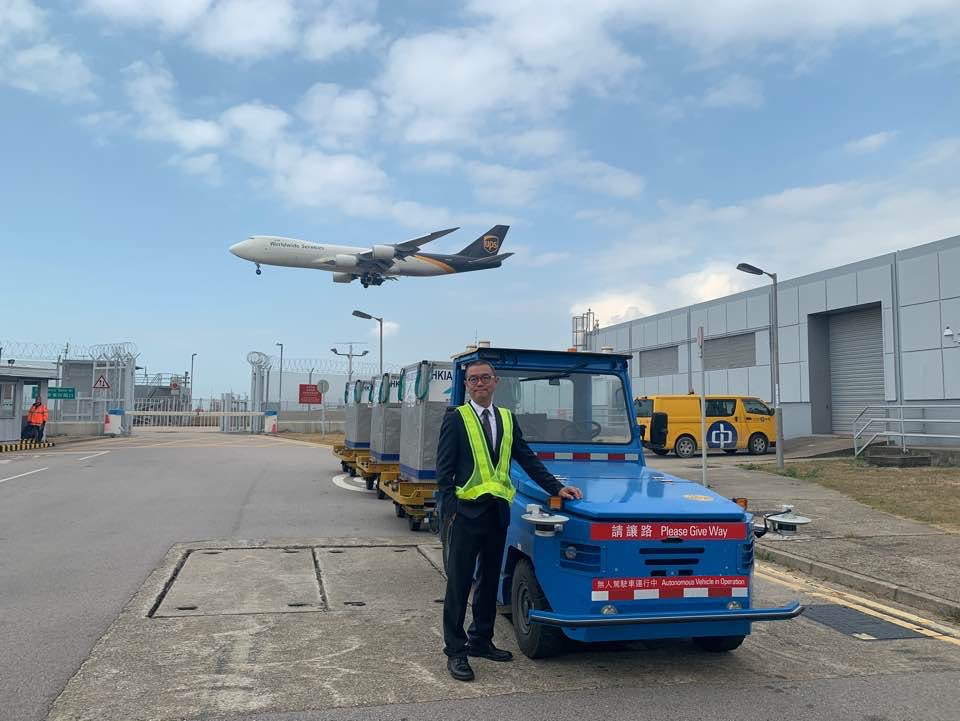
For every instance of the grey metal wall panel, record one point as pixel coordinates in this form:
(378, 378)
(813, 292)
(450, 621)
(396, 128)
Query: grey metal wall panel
(790, 383)
(717, 319)
(796, 420)
(920, 327)
(951, 373)
(813, 298)
(680, 383)
(804, 382)
(679, 327)
(735, 351)
(888, 344)
(789, 344)
(659, 362)
(923, 375)
(875, 284)
(698, 317)
(649, 334)
(788, 306)
(950, 316)
(717, 382)
(683, 359)
(842, 291)
(763, 347)
(664, 334)
(623, 338)
(758, 310)
(856, 365)
(737, 315)
(804, 343)
(950, 273)
(919, 279)
(890, 376)
(738, 381)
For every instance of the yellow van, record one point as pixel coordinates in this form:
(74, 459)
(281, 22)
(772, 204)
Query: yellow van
(733, 423)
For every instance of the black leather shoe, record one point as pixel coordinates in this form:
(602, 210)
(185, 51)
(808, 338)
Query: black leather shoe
(459, 668)
(490, 652)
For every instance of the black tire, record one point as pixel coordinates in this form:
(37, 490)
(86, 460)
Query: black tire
(369, 481)
(352, 471)
(758, 444)
(660, 451)
(730, 451)
(719, 644)
(413, 523)
(380, 494)
(398, 509)
(344, 467)
(535, 639)
(685, 446)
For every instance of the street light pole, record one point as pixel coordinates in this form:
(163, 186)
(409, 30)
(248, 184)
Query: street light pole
(280, 388)
(349, 355)
(367, 316)
(192, 356)
(775, 343)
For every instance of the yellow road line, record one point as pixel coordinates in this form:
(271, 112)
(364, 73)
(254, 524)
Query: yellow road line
(919, 624)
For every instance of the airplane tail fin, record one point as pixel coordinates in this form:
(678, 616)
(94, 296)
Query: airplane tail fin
(488, 244)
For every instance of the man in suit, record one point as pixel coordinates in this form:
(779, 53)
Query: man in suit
(477, 443)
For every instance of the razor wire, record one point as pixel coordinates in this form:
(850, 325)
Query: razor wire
(325, 365)
(52, 351)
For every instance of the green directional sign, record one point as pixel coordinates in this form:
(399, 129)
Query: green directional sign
(58, 393)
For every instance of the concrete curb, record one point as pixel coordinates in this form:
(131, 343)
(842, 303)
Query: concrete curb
(852, 579)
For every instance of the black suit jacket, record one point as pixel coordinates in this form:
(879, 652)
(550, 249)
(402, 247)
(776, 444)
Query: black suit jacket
(455, 466)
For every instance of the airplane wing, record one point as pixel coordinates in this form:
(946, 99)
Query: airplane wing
(407, 247)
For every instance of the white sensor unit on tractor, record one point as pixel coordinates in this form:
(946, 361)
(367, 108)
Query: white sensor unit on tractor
(545, 524)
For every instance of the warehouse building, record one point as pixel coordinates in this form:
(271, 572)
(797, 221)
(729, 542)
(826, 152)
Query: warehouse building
(880, 332)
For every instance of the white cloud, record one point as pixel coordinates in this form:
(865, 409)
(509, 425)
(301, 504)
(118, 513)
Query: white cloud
(501, 185)
(602, 178)
(390, 328)
(870, 143)
(735, 91)
(248, 29)
(338, 116)
(538, 142)
(616, 306)
(334, 32)
(172, 15)
(206, 166)
(437, 161)
(32, 59)
(150, 90)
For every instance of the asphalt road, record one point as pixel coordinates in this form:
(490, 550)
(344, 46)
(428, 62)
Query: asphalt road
(80, 530)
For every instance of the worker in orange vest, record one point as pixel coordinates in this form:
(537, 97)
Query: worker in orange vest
(36, 420)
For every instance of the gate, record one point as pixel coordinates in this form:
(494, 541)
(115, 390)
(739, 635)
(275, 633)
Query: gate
(168, 414)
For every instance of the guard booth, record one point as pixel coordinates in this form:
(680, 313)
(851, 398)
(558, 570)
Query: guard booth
(16, 394)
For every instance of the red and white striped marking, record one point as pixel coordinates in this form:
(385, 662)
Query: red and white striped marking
(638, 589)
(578, 456)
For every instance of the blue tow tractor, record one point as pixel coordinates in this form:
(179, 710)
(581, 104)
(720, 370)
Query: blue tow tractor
(644, 555)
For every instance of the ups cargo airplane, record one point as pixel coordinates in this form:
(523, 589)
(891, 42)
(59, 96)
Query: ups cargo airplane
(378, 263)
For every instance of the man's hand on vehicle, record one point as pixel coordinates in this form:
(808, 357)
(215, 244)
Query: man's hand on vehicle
(571, 493)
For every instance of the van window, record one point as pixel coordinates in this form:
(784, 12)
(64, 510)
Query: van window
(721, 408)
(643, 407)
(752, 405)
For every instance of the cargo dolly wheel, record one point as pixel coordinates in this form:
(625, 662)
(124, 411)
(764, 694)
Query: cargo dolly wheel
(352, 471)
(535, 639)
(413, 523)
(398, 509)
(344, 467)
(370, 481)
(380, 494)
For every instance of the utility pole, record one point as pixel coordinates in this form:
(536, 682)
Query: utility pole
(350, 355)
(280, 389)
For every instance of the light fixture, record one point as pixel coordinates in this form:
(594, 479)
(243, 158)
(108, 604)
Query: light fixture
(949, 333)
(747, 268)
(609, 610)
(733, 606)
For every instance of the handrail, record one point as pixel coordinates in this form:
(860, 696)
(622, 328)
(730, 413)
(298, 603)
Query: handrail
(872, 423)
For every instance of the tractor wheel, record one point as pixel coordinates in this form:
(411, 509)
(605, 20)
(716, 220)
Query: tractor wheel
(719, 644)
(535, 639)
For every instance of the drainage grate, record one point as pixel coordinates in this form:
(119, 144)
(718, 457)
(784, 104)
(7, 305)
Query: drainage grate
(854, 623)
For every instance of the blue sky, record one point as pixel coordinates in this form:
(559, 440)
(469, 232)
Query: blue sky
(638, 148)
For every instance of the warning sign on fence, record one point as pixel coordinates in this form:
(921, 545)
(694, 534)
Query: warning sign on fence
(101, 384)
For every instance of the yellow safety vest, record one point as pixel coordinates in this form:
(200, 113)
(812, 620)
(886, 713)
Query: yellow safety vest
(485, 478)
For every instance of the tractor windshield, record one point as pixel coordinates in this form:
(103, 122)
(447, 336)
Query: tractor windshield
(567, 406)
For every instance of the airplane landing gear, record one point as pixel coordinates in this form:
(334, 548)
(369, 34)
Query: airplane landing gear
(258, 269)
(368, 279)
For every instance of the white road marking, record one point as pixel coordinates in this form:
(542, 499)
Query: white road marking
(4, 460)
(344, 481)
(35, 470)
(93, 456)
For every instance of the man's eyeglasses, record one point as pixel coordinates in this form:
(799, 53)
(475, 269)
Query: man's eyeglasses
(485, 378)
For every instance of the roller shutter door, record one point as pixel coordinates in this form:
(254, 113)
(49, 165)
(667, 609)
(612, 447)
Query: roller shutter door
(735, 351)
(856, 365)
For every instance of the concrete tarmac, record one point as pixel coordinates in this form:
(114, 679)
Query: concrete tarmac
(87, 536)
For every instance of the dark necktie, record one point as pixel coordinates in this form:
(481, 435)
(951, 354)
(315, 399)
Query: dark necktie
(488, 429)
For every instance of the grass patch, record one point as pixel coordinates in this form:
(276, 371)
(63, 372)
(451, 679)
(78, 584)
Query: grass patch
(930, 494)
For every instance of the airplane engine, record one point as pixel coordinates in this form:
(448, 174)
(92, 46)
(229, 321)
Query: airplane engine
(384, 252)
(342, 277)
(346, 261)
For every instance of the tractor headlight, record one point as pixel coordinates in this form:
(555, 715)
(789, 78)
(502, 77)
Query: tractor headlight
(733, 606)
(609, 610)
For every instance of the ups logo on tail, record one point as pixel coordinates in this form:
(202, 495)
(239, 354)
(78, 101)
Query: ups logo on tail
(491, 243)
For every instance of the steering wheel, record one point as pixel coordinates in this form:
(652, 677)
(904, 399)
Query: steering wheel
(574, 430)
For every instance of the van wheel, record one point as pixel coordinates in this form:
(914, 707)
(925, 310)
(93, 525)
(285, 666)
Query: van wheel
(719, 644)
(685, 447)
(534, 639)
(660, 451)
(758, 444)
